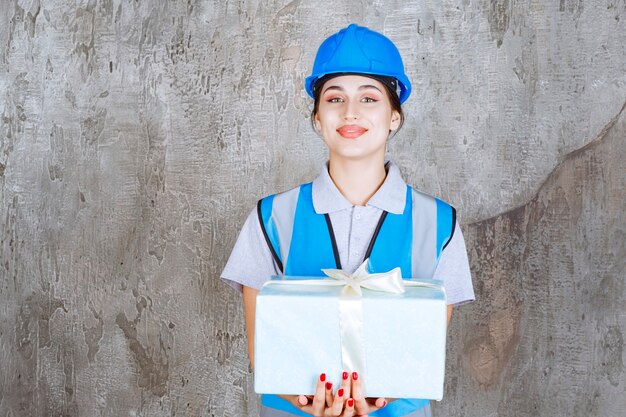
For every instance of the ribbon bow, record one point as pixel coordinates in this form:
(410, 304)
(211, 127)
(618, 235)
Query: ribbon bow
(387, 281)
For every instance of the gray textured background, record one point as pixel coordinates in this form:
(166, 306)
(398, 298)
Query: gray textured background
(136, 136)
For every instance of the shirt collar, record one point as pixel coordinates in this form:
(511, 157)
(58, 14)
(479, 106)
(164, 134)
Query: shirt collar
(391, 196)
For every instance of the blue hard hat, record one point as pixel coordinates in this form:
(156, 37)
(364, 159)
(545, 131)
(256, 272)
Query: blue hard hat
(359, 50)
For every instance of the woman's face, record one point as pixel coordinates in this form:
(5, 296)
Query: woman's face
(355, 116)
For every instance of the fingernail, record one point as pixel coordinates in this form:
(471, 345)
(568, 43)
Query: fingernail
(329, 385)
(345, 376)
(323, 377)
(300, 401)
(340, 392)
(384, 404)
(350, 402)
(355, 376)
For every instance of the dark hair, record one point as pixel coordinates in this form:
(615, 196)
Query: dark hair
(387, 82)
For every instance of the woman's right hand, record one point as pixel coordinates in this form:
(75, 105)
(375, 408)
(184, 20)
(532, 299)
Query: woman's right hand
(324, 403)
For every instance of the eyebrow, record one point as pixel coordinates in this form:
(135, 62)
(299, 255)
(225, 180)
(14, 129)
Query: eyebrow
(340, 88)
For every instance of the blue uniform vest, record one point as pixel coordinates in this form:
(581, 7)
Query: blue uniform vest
(302, 243)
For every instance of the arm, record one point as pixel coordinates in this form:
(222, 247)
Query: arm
(453, 270)
(249, 309)
(450, 308)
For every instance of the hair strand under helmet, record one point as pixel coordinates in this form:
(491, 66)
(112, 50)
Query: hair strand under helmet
(359, 50)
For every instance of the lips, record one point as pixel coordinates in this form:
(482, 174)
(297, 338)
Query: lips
(351, 131)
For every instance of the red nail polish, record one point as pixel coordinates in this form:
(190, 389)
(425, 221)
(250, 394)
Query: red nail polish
(344, 376)
(340, 392)
(329, 385)
(323, 377)
(350, 402)
(355, 376)
(384, 404)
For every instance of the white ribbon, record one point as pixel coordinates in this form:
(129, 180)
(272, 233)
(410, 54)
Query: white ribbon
(351, 306)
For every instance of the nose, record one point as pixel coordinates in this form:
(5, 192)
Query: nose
(350, 110)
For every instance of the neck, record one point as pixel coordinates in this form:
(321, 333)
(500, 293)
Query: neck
(357, 180)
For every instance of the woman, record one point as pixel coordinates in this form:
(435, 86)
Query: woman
(358, 84)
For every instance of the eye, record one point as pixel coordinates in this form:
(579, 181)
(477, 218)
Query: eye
(369, 100)
(334, 100)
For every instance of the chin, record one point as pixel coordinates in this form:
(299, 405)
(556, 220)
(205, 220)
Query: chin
(353, 154)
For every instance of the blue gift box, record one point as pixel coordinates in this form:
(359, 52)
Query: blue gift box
(298, 335)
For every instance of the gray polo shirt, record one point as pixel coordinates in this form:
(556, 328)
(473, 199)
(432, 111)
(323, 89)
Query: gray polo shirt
(251, 262)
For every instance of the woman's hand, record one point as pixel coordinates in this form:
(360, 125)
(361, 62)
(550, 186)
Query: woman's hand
(347, 401)
(363, 406)
(324, 403)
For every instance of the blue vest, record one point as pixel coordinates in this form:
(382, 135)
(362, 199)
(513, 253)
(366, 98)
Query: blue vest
(302, 243)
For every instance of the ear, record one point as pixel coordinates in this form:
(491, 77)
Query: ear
(395, 120)
(318, 125)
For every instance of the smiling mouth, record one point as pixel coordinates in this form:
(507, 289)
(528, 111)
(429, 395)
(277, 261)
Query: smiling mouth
(351, 131)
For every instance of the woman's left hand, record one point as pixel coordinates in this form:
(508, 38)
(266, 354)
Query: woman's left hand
(362, 405)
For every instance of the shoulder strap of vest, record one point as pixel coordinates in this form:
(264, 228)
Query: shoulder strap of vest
(381, 220)
(446, 222)
(264, 211)
(333, 241)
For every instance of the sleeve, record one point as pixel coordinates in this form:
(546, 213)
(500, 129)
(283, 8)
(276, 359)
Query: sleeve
(251, 262)
(453, 269)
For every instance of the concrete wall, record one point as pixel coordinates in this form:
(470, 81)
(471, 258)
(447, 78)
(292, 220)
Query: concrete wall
(137, 135)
